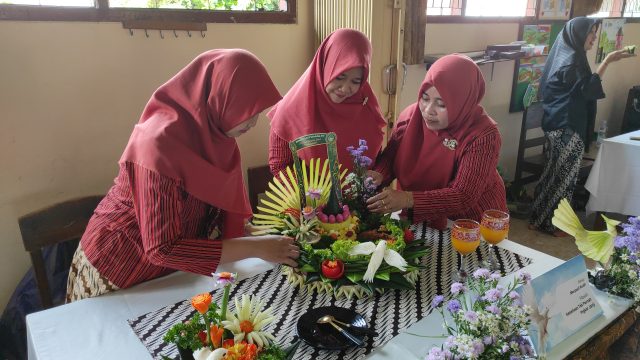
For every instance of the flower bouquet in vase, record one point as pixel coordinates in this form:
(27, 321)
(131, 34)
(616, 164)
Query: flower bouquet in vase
(618, 256)
(344, 249)
(213, 333)
(487, 321)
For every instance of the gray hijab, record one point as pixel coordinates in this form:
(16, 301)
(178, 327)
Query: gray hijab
(568, 49)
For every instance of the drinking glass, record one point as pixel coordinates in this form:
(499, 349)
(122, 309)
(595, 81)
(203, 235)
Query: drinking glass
(465, 238)
(494, 228)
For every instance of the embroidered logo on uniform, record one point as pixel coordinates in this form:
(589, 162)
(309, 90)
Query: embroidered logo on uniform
(450, 143)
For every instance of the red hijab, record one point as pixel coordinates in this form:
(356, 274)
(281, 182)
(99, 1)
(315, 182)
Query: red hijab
(461, 85)
(307, 109)
(181, 133)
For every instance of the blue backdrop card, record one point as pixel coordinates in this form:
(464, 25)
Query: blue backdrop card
(562, 301)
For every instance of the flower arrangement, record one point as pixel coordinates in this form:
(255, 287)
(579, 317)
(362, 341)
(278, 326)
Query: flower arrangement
(488, 320)
(344, 249)
(622, 276)
(213, 333)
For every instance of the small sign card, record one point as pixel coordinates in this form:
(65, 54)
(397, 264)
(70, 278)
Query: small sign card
(562, 301)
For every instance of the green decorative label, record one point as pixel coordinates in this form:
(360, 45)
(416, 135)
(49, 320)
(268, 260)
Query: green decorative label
(328, 139)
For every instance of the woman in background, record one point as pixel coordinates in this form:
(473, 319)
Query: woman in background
(179, 201)
(569, 93)
(333, 95)
(443, 151)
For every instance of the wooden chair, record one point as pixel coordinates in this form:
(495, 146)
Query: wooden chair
(533, 165)
(52, 225)
(258, 178)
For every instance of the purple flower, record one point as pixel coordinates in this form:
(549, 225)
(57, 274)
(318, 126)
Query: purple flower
(314, 193)
(496, 276)
(436, 354)
(524, 277)
(362, 142)
(471, 316)
(478, 347)
(457, 288)
(493, 309)
(631, 238)
(364, 161)
(437, 301)
(481, 273)
(514, 296)
(453, 306)
(492, 295)
(488, 340)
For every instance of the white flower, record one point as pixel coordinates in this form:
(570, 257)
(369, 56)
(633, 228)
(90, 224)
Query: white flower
(249, 321)
(378, 253)
(206, 354)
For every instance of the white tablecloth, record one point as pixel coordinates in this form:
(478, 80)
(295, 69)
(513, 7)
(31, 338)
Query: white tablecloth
(97, 328)
(614, 182)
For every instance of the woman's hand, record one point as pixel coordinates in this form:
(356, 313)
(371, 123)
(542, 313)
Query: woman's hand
(390, 200)
(376, 176)
(617, 55)
(278, 249)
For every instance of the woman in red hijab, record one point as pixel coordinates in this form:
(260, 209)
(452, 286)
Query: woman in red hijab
(333, 95)
(443, 151)
(179, 201)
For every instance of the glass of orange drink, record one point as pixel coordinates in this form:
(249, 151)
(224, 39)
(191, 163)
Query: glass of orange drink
(465, 238)
(494, 228)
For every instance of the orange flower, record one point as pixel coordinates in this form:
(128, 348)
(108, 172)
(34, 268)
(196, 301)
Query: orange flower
(201, 302)
(242, 351)
(216, 335)
(227, 343)
(246, 326)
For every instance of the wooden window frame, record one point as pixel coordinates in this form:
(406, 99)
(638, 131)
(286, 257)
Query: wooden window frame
(463, 19)
(103, 13)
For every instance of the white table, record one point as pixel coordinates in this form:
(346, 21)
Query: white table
(614, 181)
(97, 328)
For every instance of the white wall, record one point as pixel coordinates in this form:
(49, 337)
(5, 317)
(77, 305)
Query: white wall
(448, 38)
(70, 93)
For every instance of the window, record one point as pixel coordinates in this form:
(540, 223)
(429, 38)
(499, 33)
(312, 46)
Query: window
(485, 8)
(184, 11)
(444, 7)
(610, 8)
(632, 8)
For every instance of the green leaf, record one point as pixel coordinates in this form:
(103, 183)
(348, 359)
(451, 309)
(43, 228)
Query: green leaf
(383, 276)
(355, 277)
(311, 277)
(307, 268)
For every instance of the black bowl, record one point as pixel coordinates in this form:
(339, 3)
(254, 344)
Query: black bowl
(324, 336)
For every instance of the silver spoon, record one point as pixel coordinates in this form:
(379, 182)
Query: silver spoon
(359, 329)
(328, 319)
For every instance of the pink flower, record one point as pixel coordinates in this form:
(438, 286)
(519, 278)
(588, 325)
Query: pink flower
(315, 194)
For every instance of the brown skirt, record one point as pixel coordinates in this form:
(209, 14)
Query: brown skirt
(84, 280)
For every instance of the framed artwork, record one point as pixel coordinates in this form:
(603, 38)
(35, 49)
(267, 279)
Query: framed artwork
(554, 9)
(528, 70)
(610, 39)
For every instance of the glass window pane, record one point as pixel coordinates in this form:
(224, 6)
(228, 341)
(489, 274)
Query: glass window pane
(238, 5)
(632, 8)
(83, 3)
(496, 8)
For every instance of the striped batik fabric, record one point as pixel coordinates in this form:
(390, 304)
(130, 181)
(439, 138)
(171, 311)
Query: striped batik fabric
(389, 313)
(148, 226)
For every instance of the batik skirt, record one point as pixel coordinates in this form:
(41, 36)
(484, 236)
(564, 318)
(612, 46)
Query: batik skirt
(84, 279)
(563, 152)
